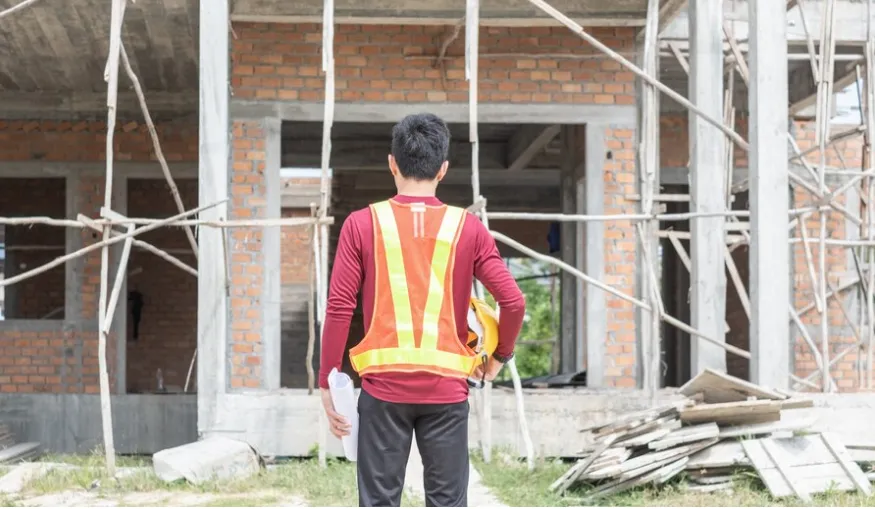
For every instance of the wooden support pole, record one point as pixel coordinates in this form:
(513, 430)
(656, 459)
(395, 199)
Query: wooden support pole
(116, 19)
(322, 251)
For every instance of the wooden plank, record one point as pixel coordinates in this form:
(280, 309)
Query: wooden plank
(783, 469)
(722, 388)
(646, 438)
(648, 461)
(791, 403)
(686, 435)
(852, 470)
(633, 419)
(710, 488)
(660, 475)
(721, 455)
(710, 479)
(733, 413)
(18, 452)
(804, 465)
(575, 472)
(743, 430)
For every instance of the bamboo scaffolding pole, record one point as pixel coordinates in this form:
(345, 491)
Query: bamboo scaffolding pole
(234, 223)
(647, 231)
(685, 259)
(824, 96)
(17, 7)
(111, 74)
(311, 308)
(118, 281)
(98, 245)
(869, 105)
(809, 262)
(163, 254)
(156, 144)
(579, 31)
(598, 284)
(322, 251)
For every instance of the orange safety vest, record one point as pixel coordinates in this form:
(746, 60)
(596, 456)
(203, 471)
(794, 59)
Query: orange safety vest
(413, 327)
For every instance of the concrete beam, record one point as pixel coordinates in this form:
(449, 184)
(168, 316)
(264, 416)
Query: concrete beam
(498, 113)
(440, 12)
(769, 200)
(163, 106)
(708, 188)
(527, 143)
(213, 175)
(371, 154)
(668, 11)
(802, 94)
(850, 26)
(58, 169)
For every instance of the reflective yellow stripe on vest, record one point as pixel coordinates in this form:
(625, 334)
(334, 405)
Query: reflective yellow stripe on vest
(407, 352)
(397, 275)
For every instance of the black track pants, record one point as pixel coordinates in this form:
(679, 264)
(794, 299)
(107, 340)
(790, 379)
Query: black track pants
(385, 434)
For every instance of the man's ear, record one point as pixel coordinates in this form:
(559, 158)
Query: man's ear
(443, 171)
(393, 166)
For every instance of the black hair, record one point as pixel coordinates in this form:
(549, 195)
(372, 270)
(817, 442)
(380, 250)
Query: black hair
(420, 145)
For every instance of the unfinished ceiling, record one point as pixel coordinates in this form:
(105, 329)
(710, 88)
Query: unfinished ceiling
(62, 46)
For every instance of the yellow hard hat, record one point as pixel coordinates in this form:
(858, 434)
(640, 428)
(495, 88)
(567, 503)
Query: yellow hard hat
(482, 329)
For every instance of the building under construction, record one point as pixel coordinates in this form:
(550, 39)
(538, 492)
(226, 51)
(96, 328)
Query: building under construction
(711, 211)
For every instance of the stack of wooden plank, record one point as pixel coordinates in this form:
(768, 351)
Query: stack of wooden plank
(700, 435)
(11, 452)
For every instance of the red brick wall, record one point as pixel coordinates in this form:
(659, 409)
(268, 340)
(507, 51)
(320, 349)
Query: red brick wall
(391, 63)
(168, 328)
(620, 179)
(249, 201)
(674, 152)
(61, 355)
(848, 152)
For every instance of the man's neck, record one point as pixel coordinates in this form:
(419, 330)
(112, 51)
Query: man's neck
(418, 189)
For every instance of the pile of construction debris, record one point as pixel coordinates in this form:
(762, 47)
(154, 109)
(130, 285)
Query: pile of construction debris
(11, 452)
(724, 424)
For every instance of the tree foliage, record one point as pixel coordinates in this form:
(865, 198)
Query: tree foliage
(534, 351)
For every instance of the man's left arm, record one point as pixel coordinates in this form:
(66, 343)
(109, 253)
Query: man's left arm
(490, 269)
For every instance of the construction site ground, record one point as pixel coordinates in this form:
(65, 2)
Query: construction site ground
(303, 483)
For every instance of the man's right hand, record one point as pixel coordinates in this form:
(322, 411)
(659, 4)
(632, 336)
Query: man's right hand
(338, 424)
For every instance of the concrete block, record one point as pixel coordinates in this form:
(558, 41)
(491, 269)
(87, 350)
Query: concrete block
(214, 458)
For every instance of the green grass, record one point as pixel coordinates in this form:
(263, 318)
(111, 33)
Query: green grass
(514, 485)
(334, 485)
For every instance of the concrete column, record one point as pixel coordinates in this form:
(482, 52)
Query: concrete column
(594, 242)
(568, 253)
(213, 176)
(73, 242)
(769, 197)
(272, 297)
(707, 184)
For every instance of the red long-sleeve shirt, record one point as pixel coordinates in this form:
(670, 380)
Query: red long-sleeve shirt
(476, 256)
